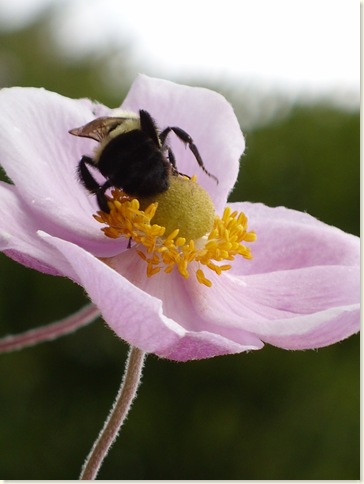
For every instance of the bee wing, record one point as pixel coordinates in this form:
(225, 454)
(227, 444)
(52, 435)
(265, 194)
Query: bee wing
(99, 128)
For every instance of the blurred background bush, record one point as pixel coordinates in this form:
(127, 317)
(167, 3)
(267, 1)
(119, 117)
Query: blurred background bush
(270, 414)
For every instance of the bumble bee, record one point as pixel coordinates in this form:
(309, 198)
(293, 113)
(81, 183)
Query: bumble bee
(132, 155)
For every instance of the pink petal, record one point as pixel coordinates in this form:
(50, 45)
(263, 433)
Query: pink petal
(136, 316)
(40, 157)
(207, 117)
(301, 290)
(288, 239)
(18, 234)
(179, 299)
(291, 309)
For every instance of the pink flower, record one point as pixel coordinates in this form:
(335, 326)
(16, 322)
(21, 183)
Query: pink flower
(300, 290)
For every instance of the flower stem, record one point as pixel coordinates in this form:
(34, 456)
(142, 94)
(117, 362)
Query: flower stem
(49, 332)
(117, 415)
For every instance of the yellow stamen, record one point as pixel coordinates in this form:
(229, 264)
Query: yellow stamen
(223, 243)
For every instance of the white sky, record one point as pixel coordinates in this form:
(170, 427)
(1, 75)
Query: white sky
(301, 46)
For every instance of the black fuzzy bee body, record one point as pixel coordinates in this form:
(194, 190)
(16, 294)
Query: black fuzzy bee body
(132, 156)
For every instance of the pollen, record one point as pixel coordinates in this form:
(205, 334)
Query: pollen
(192, 242)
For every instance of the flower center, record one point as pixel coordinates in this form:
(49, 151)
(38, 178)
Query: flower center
(177, 228)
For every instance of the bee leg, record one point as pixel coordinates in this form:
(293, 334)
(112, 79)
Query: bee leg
(186, 138)
(101, 197)
(89, 182)
(172, 161)
(84, 174)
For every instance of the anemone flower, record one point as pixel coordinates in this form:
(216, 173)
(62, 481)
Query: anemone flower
(184, 274)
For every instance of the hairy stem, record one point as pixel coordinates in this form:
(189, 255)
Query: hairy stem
(117, 415)
(51, 331)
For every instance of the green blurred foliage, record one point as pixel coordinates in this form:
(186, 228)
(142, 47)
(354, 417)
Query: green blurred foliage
(270, 414)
